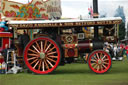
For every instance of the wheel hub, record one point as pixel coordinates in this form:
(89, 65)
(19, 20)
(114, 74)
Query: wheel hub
(99, 61)
(42, 55)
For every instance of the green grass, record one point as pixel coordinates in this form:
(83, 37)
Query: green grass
(72, 74)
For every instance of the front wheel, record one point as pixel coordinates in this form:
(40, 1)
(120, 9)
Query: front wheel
(99, 61)
(42, 55)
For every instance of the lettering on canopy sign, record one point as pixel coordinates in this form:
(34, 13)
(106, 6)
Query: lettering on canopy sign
(63, 24)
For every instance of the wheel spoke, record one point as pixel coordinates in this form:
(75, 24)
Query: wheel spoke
(101, 67)
(32, 51)
(51, 59)
(50, 63)
(51, 53)
(37, 45)
(106, 59)
(33, 61)
(36, 64)
(45, 44)
(33, 55)
(103, 57)
(43, 66)
(97, 56)
(95, 66)
(50, 50)
(98, 68)
(48, 47)
(53, 56)
(31, 58)
(93, 60)
(41, 46)
(39, 64)
(35, 48)
(105, 63)
(46, 64)
(104, 66)
(101, 54)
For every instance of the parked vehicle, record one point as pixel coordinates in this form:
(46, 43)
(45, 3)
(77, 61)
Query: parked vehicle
(53, 42)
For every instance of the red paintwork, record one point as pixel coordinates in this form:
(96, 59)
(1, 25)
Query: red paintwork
(1, 60)
(71, 52)
(1, 29)
(5, 39)
(5, 34)
(69, 45)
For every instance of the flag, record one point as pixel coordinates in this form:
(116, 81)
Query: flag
(90, 11)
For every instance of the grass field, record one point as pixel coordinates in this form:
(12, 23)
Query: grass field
(72, 74)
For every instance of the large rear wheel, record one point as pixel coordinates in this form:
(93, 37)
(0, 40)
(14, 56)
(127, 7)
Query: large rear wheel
(99, 61)
(42, 55)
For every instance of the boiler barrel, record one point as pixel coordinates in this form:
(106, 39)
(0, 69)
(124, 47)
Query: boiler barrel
(97, 44)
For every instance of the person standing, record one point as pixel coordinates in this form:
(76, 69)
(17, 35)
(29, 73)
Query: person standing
(126, 48)
(23, 39)
(121, 52)
(5, 51)
(115, 52)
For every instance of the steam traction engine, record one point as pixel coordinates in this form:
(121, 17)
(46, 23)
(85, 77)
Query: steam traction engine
(55, 41)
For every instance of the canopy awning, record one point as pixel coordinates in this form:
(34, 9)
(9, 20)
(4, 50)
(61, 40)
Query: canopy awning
(65, 23)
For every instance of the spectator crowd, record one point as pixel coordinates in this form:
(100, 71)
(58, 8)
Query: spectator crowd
(117, 51)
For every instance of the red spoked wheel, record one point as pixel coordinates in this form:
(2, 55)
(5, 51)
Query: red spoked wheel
(42, 55)
(99, 61)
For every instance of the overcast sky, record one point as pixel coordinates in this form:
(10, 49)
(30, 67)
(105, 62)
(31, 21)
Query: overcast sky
(75, 8)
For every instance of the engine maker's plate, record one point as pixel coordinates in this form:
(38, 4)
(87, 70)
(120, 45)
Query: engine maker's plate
(69, 38)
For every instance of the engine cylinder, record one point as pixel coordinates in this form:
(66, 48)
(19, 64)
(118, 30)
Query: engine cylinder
(89, 45)
(85, 46)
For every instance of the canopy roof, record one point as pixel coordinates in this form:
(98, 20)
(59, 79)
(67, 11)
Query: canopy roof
(65, 23)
